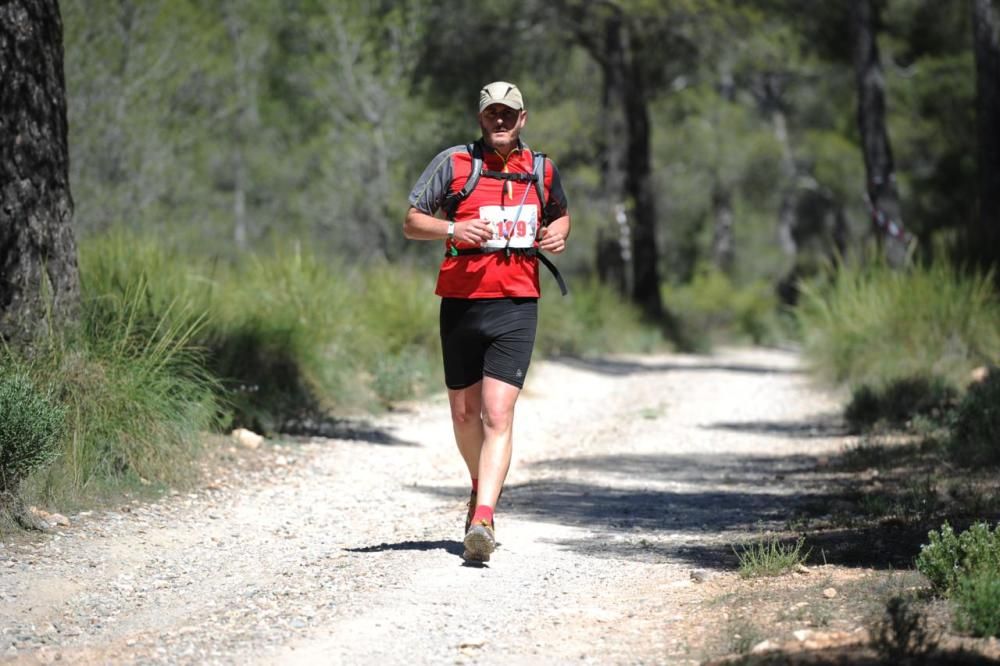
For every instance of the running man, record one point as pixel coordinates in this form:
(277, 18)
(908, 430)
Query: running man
(488, 284)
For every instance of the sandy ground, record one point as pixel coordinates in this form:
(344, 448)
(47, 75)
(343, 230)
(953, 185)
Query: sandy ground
(632, 479)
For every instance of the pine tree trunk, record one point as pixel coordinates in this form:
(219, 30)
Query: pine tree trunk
(879, 169)
(39, 285)
(614, 259)
(645, 253)
(984, 231)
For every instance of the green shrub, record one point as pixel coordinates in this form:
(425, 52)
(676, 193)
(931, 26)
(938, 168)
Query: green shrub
(871, 325)
(977, 603)
(949, 558)
(975, 439)
(899, 401)
(714, 308)
(594, 318)
(31, 423)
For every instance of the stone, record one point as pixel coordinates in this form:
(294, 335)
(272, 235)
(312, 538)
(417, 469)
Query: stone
(248, 439)
(830, 593)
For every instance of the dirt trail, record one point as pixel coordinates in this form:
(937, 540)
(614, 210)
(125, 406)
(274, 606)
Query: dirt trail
(631, 479)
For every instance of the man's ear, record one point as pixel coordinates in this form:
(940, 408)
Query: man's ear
(524, 118)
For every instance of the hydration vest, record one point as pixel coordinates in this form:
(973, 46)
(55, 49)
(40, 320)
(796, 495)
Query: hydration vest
(537, 176)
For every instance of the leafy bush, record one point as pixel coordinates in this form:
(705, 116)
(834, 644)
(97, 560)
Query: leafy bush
(975, 438)
(977, 603)
(898, 401)
(871, 325)
(593, 318)
(949, 558)
(712, 307)
(31, 422)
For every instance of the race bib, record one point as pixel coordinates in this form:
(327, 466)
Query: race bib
(520, 232)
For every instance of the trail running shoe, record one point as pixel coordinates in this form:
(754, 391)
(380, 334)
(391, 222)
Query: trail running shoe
(480, 542)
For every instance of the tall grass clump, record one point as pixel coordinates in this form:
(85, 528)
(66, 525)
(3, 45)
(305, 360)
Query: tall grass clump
(135, 393)
(871, 324)
(770, 557)
(594, 318)
(279, 334)
(400, 347)
(174, 286)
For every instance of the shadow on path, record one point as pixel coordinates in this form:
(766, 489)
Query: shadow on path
(620, 367)
(694, 508)
(820, 426)
(452, 547)
(346, 429)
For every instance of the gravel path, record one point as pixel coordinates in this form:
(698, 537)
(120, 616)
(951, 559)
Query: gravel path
(631, 479)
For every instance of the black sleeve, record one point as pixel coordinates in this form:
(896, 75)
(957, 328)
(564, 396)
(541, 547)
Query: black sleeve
(557, 204)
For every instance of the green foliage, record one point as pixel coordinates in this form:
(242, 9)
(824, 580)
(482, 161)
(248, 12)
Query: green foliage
(977, 603)
(871, 325)
(31, 423)
(899, 401)
(975, 439)
(136, 397)
(288, 334)
(770, 557)
(712, 307)
(950, 558)
(593, 318)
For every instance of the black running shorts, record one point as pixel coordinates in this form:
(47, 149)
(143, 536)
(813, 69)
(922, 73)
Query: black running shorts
(492, 337)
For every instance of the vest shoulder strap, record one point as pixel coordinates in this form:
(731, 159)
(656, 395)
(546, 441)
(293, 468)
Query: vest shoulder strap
(451, 201)
(539, 173)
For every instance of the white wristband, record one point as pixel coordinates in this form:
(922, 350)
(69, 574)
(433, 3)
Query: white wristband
(451, 230)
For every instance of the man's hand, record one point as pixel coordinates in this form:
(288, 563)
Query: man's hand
(552, 241)
(474, 232)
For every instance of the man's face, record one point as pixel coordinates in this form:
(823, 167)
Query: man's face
(501, 126)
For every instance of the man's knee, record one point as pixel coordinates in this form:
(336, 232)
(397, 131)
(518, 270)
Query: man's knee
(463, 414)
(498, 417)
(465, 408)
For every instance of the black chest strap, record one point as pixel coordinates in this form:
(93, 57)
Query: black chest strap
(523, 251)
(476, 171)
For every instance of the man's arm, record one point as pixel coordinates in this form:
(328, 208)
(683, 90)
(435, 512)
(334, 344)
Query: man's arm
(422, 226)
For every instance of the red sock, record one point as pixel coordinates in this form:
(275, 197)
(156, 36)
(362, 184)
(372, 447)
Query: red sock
(483, 512)
(475, 485)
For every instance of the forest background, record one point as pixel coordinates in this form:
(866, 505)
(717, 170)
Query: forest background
(769, 171)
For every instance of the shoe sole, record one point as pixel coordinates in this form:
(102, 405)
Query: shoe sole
(479, 544)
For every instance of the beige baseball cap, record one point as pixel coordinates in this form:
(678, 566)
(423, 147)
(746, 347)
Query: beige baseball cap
(500, 92)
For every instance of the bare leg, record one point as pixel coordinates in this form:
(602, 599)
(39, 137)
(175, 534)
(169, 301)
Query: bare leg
(498, 400)
(467, 422)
